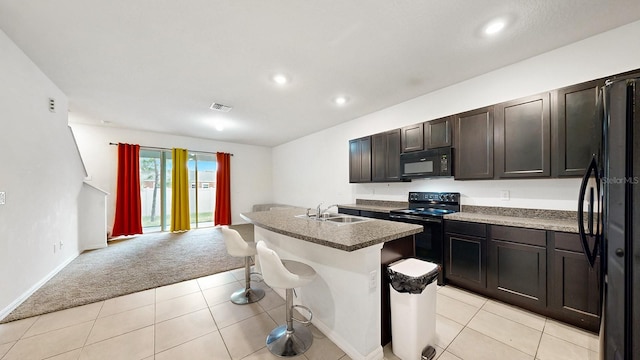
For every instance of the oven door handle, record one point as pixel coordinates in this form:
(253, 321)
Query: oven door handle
(419, 218)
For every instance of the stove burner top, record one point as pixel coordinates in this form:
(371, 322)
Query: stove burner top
(429, 204)
(425, 211)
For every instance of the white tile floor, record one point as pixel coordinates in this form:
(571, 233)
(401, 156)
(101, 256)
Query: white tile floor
(194, 320)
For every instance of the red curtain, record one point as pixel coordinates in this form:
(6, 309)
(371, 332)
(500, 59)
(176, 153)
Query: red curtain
(222, 214)
(128, 219)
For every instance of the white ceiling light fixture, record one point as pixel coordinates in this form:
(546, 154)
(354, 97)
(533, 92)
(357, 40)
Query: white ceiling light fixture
(280, 79)
(494, 27)
(218, 123)
(340, 100)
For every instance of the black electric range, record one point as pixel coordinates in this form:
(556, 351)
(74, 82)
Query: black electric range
(428, 209)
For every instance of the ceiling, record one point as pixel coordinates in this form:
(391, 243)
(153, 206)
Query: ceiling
(158, 65)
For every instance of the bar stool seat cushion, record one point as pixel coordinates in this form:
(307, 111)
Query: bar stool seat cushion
(236, 245)
(305, 273)
(283, 274)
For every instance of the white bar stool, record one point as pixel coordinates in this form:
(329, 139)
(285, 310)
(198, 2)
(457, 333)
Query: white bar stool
(286, 340)
(238, 247)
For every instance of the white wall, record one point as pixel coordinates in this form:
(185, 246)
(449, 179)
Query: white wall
(250, 166)
(92, 220)
(41, 175)
(315, 168)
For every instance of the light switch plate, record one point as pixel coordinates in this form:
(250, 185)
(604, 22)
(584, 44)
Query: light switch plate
(373, 279)
(2, 198)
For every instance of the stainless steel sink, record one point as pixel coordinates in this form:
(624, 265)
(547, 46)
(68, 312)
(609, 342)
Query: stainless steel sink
(346, 219)
(337, 219)
(324, 216)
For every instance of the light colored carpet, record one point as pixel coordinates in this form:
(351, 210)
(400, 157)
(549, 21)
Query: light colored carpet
(135, 264)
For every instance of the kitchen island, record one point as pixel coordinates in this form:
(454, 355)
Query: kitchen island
(349, 297)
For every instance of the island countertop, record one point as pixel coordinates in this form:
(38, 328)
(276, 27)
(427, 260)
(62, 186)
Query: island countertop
(347, 237)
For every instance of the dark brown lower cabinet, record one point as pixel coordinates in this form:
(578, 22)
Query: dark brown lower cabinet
(574, 286)
(543, 271)
(517, 266)
(465, 255)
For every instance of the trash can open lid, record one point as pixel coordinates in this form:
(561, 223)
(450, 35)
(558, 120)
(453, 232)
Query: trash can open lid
(413, 267)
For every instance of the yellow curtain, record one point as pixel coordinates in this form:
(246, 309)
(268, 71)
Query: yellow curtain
(180, 191)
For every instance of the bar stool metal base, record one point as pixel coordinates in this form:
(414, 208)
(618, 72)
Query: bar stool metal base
(247, 296)
(285, 343)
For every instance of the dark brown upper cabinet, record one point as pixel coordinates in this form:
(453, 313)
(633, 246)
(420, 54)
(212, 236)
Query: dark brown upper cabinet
(385, 150)
(473, 144)
(522, 138)
(412, 138)
(438, 133)
(360, 160)
(576, 132)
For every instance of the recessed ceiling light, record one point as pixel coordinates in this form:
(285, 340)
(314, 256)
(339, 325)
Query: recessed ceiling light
(280, 79)
(219, 126)
(340, 100)
(495, 27)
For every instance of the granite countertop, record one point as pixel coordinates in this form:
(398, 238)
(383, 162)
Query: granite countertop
(376, 205)
(347, 237)
(556, 220)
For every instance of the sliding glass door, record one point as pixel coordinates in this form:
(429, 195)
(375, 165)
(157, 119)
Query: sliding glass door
(202, 194)
(151, 174)
(155, 189)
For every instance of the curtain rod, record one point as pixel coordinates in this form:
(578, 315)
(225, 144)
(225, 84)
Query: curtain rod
(161, 148)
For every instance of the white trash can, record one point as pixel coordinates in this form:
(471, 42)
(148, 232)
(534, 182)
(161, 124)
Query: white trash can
(413, 285)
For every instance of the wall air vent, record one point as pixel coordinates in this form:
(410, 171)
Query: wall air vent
(220, 107)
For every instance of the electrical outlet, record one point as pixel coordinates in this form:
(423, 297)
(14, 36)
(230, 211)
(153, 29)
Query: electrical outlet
(504, 195)
(373, 279)
(3, 197)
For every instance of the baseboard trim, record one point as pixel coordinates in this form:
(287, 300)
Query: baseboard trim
(376, 354)
(7, 310)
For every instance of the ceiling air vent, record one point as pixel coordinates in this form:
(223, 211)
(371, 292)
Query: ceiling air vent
(220, 107)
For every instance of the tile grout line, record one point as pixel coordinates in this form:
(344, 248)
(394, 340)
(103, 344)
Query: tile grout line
(155, 314)
(466, 326)
(460, 332)
(540, 341)
(570, 342)
(226, 347)
(20, 338)
(84, 343)
(517, 322)
(509, 345)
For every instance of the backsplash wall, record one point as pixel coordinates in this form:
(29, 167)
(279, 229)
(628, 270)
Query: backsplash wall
(552, 194)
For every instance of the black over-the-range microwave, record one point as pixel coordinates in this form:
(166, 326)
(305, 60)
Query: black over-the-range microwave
(426, 163)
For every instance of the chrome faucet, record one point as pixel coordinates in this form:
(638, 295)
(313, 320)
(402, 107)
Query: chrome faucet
(319, 211)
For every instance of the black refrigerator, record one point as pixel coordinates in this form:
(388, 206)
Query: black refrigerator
(611, 193)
